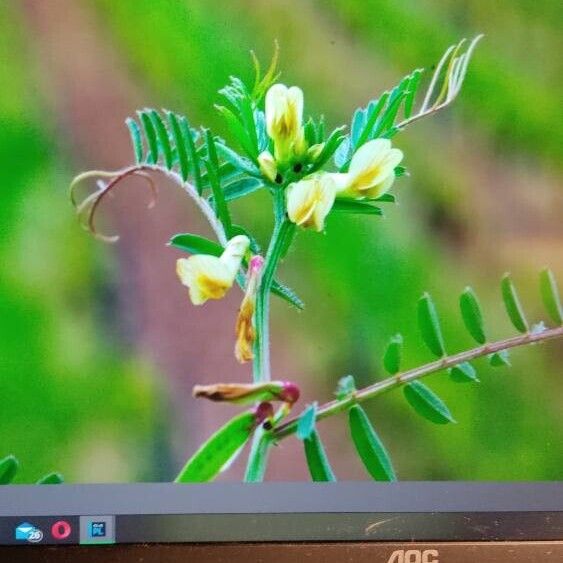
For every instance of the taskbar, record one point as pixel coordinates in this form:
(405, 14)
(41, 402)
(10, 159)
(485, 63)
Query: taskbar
(282, 527)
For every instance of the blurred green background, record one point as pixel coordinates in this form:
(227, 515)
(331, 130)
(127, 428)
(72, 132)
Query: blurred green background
(99, 346)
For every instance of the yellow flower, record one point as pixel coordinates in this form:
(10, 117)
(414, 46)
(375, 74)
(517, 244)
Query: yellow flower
(284, 117)
(244, 329)
(210, 277)
(372, 170)
(310, 200)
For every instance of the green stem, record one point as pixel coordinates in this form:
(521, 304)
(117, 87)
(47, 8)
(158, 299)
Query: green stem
(341, 405)
(281, 237)
(283, 229)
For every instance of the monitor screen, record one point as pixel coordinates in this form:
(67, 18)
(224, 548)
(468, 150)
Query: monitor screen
(278, 242)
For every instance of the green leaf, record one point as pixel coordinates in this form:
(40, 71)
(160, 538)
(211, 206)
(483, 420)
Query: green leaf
(426, 403)
(306, 422)
(513, 305)
(499, 359)
(463, 373)
(550, 295)
(238, 131)
(212, 166)
(194, 244)
(412, 87)
(471, 314)
(180, 146)
(192, 152)
(219, 450)
(317, 460)
(241, 187)
(8, 469)
(370, 448)
(358, 125)
(429, 324)
(51, 479)
(392, 356)
(150, 134)
(358, 207)
(239, 162)
(162, 137)
(286, 293)
(385, 198)
(374, 109)
(136, 139)
(330, 147)
(346, 387)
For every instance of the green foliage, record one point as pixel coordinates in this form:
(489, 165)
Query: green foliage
(426, 403)
(306, 424)
(429, 325)
(550, 295)
(219, 451)
(317, 460)
(356, 207)
(51, 479)
(499, 359)
(369, 446)
(393, 353)
(463, 372)
(9, 467)
(513, 305)
(381, 117)
(471, 314)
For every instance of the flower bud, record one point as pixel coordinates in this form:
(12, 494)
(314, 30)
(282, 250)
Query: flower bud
(284, 117)
(268, 166)
(315, 151)
(244, 328)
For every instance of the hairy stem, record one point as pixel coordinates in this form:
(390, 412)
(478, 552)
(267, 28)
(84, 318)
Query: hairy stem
(283, 228)
(338, 406)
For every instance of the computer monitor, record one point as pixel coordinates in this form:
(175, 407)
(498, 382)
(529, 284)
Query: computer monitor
(281, 279)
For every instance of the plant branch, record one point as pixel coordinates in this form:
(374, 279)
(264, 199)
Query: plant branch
(96, 198)
(337, 406)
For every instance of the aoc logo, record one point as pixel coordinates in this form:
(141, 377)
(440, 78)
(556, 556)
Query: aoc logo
(414, 556)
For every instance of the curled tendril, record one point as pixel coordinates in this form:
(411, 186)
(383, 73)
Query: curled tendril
(87, 208)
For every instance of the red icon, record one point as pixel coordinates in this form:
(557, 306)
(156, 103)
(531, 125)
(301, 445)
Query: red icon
(61, 530)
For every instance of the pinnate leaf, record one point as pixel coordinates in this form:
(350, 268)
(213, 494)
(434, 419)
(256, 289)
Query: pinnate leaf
(426, 403)
(513, 305)
(550, 296)
(392, 356)
(471, 314)
(219, 450)
(429, 324)
(369, 446)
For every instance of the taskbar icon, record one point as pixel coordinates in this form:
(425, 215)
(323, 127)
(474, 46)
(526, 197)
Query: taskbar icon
(27, 532)
(97, 530)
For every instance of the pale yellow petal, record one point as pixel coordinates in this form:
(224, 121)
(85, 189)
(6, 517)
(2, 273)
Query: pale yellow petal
(372, 165)
(309, 201)
(205, 276)
(234, 253)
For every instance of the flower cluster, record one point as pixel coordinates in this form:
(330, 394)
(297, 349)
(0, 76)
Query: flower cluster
(309, 200)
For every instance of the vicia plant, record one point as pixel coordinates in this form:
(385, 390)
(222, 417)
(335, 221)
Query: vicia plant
(309, 174)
